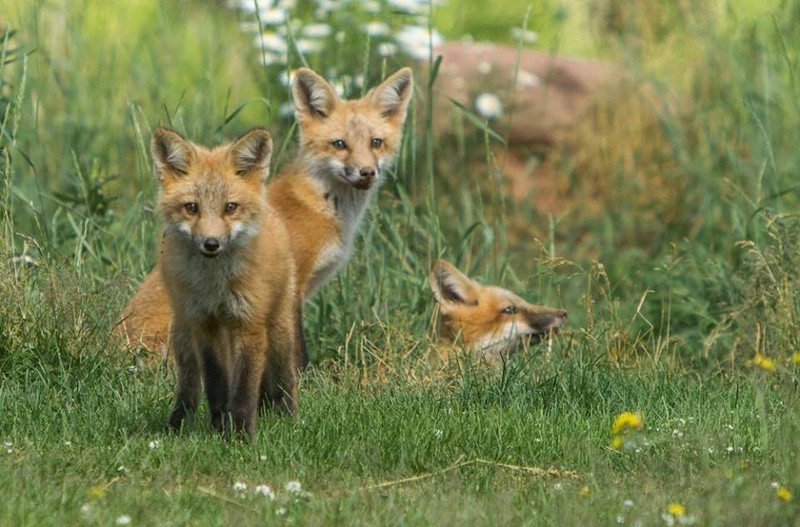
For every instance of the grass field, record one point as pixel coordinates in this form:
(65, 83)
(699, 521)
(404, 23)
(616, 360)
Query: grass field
(680, 280)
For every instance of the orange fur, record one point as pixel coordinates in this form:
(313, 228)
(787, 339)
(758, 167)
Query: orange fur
(488, 320)
(321, 196)
(231, 288)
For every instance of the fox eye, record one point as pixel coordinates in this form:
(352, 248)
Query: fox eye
(376, 142)
(191, 207)
(230, 207)
(509, 310)
(339, 144)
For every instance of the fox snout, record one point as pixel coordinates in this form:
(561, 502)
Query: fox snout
(361, 178)
(368, 176)
(546, 322)
(209, 247)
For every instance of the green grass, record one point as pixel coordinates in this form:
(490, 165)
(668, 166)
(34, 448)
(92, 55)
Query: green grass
(676, 253)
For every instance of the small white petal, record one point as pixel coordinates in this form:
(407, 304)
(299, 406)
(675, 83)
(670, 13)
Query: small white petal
(489, 105)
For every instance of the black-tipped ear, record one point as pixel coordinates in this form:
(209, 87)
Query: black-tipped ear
(172, 154)
(252, 152)
(449, 286)
(393, 95)
(312, 94)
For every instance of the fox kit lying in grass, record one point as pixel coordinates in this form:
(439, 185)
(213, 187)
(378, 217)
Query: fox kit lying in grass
(487, 320)
(228, 280)
(345, 149)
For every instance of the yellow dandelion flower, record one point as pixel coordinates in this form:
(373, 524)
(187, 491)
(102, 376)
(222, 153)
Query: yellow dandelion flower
(764, 362)
(585, 491)
(796, 357)
(626, 420)
(96, 491)
(783, 493)
(616, 442)
(676, 509)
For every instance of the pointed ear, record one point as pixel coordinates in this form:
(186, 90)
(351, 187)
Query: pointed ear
(252, 153)
(172, 154)
(450, 286)
(393, 95)
(313, 96)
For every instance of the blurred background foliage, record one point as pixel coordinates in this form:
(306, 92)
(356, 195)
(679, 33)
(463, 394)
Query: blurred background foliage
(676, 234)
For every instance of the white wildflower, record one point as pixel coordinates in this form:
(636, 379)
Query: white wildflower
(317, 30)
(294, 487)
(376, 29)
(286, 111)
(239, 486)
(371, 6)
(152, 445)
(416, 41)
(525, 35)
(526, 79)
(272, 42)
(308, 46)
(272, 17)
(266, 491)
(489, 105)
(387, 49)
(123, 520)
(409, 6)
(484, 67)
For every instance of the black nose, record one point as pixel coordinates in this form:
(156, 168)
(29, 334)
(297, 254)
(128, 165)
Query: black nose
(367, 173)
(211, 245)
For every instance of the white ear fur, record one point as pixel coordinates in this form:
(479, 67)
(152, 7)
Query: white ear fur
(450, 286)
(253, 152)
(312, 94)
(171, 153)
(394, 94)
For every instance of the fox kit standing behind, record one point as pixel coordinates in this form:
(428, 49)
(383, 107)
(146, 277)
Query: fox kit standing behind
(230, 284)
(345, 149)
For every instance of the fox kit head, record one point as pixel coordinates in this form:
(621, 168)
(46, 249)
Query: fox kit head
(352, 140)
(212, 198)
(488, 320)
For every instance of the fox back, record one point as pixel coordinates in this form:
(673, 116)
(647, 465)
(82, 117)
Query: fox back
(487, 320)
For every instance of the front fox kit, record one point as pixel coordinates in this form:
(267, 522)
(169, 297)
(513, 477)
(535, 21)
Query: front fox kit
(229, 280)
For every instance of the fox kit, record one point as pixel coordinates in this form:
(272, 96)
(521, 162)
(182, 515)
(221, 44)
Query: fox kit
(345, 149)
(487, 320)
(228, 280)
